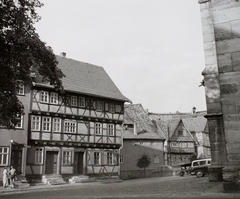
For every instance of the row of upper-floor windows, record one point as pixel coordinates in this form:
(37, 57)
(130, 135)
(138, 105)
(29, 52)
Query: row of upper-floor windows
(182, 144)
(49, 124)
(76, 101)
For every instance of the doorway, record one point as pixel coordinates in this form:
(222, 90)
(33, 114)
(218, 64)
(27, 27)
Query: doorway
(51, 162)
(16, 160)
(78, 162)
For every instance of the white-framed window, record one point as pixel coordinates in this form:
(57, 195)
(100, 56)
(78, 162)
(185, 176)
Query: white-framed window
(56, 124)
(20, 121)
(38, 155)
(54, 98)
(110, 158)
(82, 102)
(67, 157)
(174, 144)
(99, 105)
(110, 129)
(97, 158)
(20, 89)
(121, 159)
(152, 143)
(98, 128)
(111, 107)
(141, 143)
(183, 144)
(208, 151)
(190, 144)
(36, 122)
(156, 159)
(46, 123)
(69, 127)
(73, 101)
(44, 96)
(4, 155)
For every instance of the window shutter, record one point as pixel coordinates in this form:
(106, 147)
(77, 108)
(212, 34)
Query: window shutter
(103, 158)
(116, 158)
(30, 155)
(91, 157)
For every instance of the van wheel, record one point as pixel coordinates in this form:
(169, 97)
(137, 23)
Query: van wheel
(199, 173)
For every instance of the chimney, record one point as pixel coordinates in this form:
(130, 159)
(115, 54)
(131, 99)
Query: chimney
(63, 54)
(194, 110)
(135, 128)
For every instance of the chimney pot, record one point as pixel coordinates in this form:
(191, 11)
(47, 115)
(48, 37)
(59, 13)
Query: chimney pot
(63, 54)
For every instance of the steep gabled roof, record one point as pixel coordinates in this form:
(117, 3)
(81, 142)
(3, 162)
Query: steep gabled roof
(146, 128)
(87, 79)
(197, 124)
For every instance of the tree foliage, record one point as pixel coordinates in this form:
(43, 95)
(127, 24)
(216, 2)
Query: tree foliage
(21, 54)
(143, 161)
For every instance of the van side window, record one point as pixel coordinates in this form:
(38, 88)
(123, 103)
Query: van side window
(202, 162)
(195, 164)
(209, 162)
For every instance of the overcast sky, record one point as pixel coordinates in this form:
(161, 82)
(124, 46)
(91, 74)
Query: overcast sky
(151, 49)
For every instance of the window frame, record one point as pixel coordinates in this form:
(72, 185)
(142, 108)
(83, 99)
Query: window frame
(46, 124)
(74, 100)
(44, 96)
(21, 89)
(70, 126)
(111, 108)
(156, 159)
(39, 155)
(3, 153)
(82, 102)
(110, 129)
(97, 158)
(121, 159)
(21, 122)
(110, 158)
(98, 128)
(66, 158)
(53, 98)
(57, 123)
(99, 105)
(38, 122)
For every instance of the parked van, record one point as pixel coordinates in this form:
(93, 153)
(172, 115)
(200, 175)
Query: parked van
(200, 167)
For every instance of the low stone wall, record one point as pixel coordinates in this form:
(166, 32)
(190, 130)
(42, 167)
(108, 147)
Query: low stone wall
(133, 174)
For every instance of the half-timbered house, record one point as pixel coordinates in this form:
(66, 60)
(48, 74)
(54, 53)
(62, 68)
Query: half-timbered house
(75, 132)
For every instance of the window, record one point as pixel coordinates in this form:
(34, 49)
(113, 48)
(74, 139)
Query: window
(20, 121)
(141, 143)
(99, 105)
(56, 124)
(81, 101)
(66, 157)
(190, 145)
(54, 98)
(111, 108)
(180, 132)
(183, 144)
(152, 143)
(174, 144)
(20, 89)
(70, 127)
(44, 96)
(38, 155)
(110, 158)
(110, 129)
(156, 159)
(96, 158)
(73, 101)
(98, 128)
(36, 123)
(121, 159)
(4, 153)
(46, 123)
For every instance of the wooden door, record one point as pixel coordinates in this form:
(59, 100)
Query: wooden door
(51, 162)
(16, 160)
(78, 163)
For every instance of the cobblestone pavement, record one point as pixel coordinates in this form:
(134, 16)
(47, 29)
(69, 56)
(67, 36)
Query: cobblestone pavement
(161, 187)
